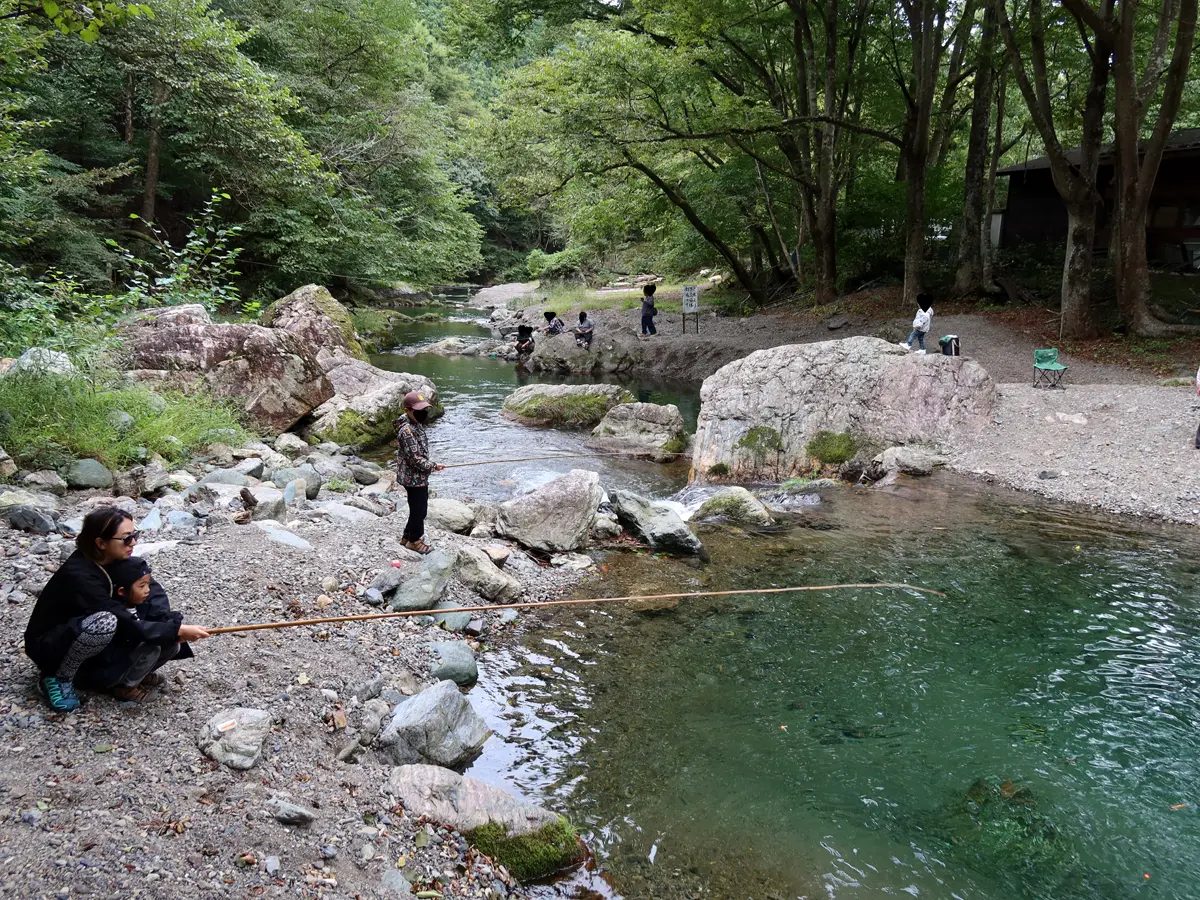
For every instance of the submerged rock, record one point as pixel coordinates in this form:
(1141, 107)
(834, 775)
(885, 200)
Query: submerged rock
(530, 841)
(735, 504)
(564, 404)
(655, 523)
(555, 517)
(648, 429)
(861, 386)
(437, 726)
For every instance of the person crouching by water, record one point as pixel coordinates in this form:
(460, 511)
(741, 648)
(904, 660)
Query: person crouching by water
(554, 325)
(413, 466)
(81, 633)
(524, 344)
(584, 331)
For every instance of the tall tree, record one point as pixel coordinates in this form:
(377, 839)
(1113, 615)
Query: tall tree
(1162, 79)
(1075, 175)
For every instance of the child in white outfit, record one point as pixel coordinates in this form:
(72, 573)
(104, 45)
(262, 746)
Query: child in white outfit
(921, 322)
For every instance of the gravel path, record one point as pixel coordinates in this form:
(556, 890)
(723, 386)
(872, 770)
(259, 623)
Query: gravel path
(1122, 447)
(116, 800)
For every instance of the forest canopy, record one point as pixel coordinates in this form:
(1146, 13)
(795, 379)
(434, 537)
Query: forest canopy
(231, 150)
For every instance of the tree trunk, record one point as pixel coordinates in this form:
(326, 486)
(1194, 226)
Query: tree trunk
(1077, 320)
(972, 234)
(153, 151)
(997, 150)
(822, 229)
(914, 246)
(127, 125)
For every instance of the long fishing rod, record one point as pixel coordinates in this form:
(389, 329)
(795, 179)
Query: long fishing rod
(488, 462)
(369, 617)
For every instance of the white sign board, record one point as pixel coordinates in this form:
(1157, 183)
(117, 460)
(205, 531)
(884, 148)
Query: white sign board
(691, 298)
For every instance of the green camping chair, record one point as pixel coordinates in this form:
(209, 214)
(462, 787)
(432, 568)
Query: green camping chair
(1047, 370)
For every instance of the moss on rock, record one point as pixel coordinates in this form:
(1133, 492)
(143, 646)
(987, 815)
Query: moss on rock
(832, 448)
(570, 409)
(352, 428)
(533, 856)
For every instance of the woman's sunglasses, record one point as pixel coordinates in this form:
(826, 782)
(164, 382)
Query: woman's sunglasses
(129, 538)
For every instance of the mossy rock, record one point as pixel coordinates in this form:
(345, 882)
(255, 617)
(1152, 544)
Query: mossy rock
(832, 448)
(569, 408)
(735, 504)
(534, 856)
(353, 429)
(677, 444)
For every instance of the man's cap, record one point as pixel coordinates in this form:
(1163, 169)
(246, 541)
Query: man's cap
(415, 400)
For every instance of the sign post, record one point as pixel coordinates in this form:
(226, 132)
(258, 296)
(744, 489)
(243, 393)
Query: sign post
(691, 306)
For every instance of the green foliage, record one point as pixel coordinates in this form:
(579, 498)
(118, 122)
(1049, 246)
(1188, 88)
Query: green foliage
(353, 430)
(677, 444)
(201, 270)
(53, 419)
(340, 485)
(52, 311)
(530, 857)
(832, 447)
(718, 470)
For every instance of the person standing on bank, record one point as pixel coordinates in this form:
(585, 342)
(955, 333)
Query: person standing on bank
(81, 633)
(413, 466)
(649, 311)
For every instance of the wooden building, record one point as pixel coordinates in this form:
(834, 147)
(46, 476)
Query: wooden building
(1034, 213)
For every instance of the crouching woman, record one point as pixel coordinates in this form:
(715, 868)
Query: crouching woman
(82, 633)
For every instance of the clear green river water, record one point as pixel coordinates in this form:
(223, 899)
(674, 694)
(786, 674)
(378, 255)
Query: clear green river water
(1033, 734)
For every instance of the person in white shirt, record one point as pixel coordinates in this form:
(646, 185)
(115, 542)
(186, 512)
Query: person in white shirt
(921, 323)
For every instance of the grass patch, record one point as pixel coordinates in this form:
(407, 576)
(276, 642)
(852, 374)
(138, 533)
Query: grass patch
(718, 470)
(832, 448)
(48, 420)
(375, 326)
(677, 444)
(339, 485)
(760, 440)
(571, 409)
(529, 857)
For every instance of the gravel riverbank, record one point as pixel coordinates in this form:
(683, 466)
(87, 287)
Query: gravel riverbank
(116, 800)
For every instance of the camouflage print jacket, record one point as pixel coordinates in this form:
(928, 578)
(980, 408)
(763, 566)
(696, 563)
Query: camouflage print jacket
(412, 453)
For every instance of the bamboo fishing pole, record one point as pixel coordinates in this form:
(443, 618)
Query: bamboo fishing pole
(488, 462)
(369, 617)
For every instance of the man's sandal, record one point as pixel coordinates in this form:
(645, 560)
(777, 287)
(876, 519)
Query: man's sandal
(127, 694)
(417, 546)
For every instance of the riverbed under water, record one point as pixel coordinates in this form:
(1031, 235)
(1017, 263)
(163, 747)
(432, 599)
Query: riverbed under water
(1031, 734)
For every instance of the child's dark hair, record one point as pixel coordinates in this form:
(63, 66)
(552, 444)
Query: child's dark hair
(924, 300)
(524, 331)
(649, 289)
(549, 314)
(582, 315)
(125, 572)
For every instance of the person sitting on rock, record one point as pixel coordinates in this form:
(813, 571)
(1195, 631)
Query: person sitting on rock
(554, 325)
(524, 344)
(80, 633)
(584, 332)
(413, 466)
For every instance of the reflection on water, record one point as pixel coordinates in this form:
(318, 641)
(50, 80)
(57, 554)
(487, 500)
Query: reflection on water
(1031, 734)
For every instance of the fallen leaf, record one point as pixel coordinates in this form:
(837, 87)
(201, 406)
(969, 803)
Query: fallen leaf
(302, 678)
(102, 748)
(1178, 806)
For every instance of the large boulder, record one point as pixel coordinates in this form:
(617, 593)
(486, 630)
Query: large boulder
(271, 374)
(366, 401)
(313, 315)
(528, 840)
(656, 523)
(563, 404)
(643, 429)
(906, 460)
(758, 413)
(8, 468)
(478, 572)
(438, 726)
(556, 516)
